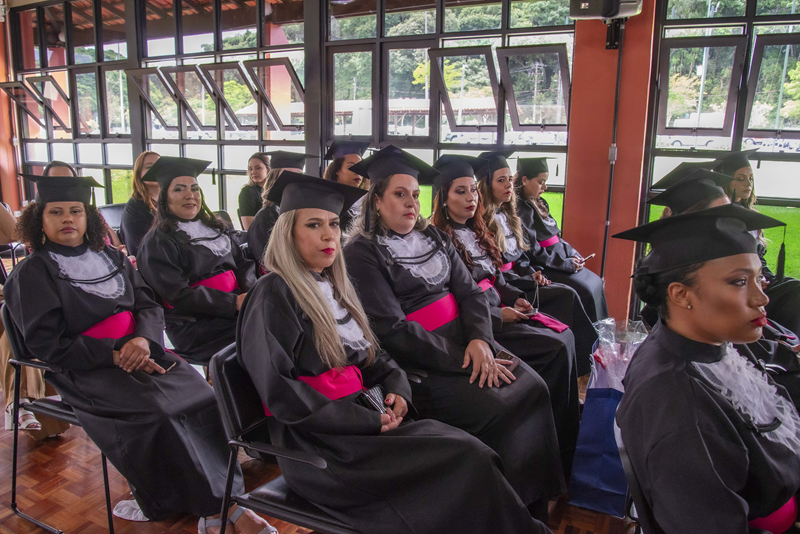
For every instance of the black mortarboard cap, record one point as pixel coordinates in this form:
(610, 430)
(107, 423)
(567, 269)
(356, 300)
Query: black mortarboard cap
(340, 149)
(281, 159)
(699, 236)
(454, 166)
(733, 161)
(697, 186)
(294, 191)
(167, 168)
(497, 159)
(684, 169)
(63, 188)
(392, 160)
(532, 167)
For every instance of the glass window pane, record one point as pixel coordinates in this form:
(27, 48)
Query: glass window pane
(469, 89)
(55, 34)
(239, 24)
(32, 126)
(210, 191)
(760, 30)
(63, 152)
(697, 142)
(236, 91)
(472, 15)
(53, 92)
(536, 80)
(553, 38)
(119, 154)
(160, 27)
(171, 150)
(282, 93)
(699, 9)
(115, 44)
(121, 185)
(36, 152)
(29, 34)
(776, 103)
(409, 96)
(235, 156)
(353, 20)
(83, 45)
(91, 153)
(410, 17)
(117, 108)
(203, 108)
(530, 14)
(702, 32)
(197, 22)
(204, 152)
(97, 174)
(776, 7)
(352, 107)
(283, 22)
(233, 185)
(88, 117)
(161, 98)
(697, 85)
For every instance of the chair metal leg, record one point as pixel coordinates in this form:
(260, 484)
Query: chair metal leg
(15, 415)
(226, 500)
(108, 495)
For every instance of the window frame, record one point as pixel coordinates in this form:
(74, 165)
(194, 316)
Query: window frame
(330, 70)
(32, 80)
(147, 71)
(432, 100)
(191, 117)
(274, 121)
(229, 114)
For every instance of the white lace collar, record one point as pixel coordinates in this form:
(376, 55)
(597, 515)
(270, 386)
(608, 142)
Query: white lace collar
(511, 241)
(414, 252)
(748, 390)
(81, 272)
(469, 239)
(347, 327)
(200, 234)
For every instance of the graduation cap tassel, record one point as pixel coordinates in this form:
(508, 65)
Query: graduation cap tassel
(94, 201)
(781, 258)
(213, 176)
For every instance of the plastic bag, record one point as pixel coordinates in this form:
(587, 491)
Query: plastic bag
(614, 350)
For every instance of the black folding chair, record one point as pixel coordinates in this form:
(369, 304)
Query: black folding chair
(242, 412)
(112, 213)
(643, 514)
(51, 406)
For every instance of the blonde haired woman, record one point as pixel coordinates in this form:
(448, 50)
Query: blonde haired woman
(306, 342)
(141, 208)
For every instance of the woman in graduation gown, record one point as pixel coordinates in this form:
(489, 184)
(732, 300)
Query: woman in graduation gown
(714, 443)
(343, 155)
(544, 343)
(560, 261)
(501, 219)
(433, 319)
(783, 291)
(137, 218)
(260, 229)
(193, 265)
(306, 342)
(82, 308)
(250, 196)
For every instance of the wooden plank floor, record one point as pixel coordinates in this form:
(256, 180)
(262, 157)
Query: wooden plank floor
(61, 483)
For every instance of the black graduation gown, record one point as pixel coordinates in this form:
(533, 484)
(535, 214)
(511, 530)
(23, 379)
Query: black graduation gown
(559, 300)
(260, 230)
(203, 320)
(701, 466)
(784, 296)
(250, 200)
(419, 477)
(549, 353)
(556, 260)
(516, 421)
(135, 223)
(162, 432)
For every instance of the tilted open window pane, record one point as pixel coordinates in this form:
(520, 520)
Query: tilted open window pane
(160, 27)
(83, 43)
(472, 15)
(699, 78)
(353, 20)
(53, 90)
(239, 29)
(536, 79)
(197, 25)
(529, 14)
(30, 108)
(88, 115)
(115, 43)
(237, 98)
(467, 82)
(352, 93)
(29, 35)
(117, 107)
(702, 9)
(163, 121)
(773, 102)
(193, 90)
(410, 17)
(283, 22)
(280, 91)
(409, 96)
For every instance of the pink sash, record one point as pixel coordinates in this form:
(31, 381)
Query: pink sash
(117, 326)
(486, 283)
(507, 267)
(334, 384)
(550, 322)
(436, 314)
(223, 281)
(552, 241)
(780, 520)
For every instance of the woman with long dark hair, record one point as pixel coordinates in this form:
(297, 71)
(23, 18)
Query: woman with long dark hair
(544, 343)
(713, 441)
(141, 207)
(434, 320)
(82, 308)
(193, 265)
(343, 155)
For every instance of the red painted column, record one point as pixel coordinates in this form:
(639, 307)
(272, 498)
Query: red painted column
(8, 160)
(591, 120)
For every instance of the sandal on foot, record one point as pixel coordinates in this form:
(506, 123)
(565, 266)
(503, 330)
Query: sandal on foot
(233, 518)
(27, 420)
(130, 511)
